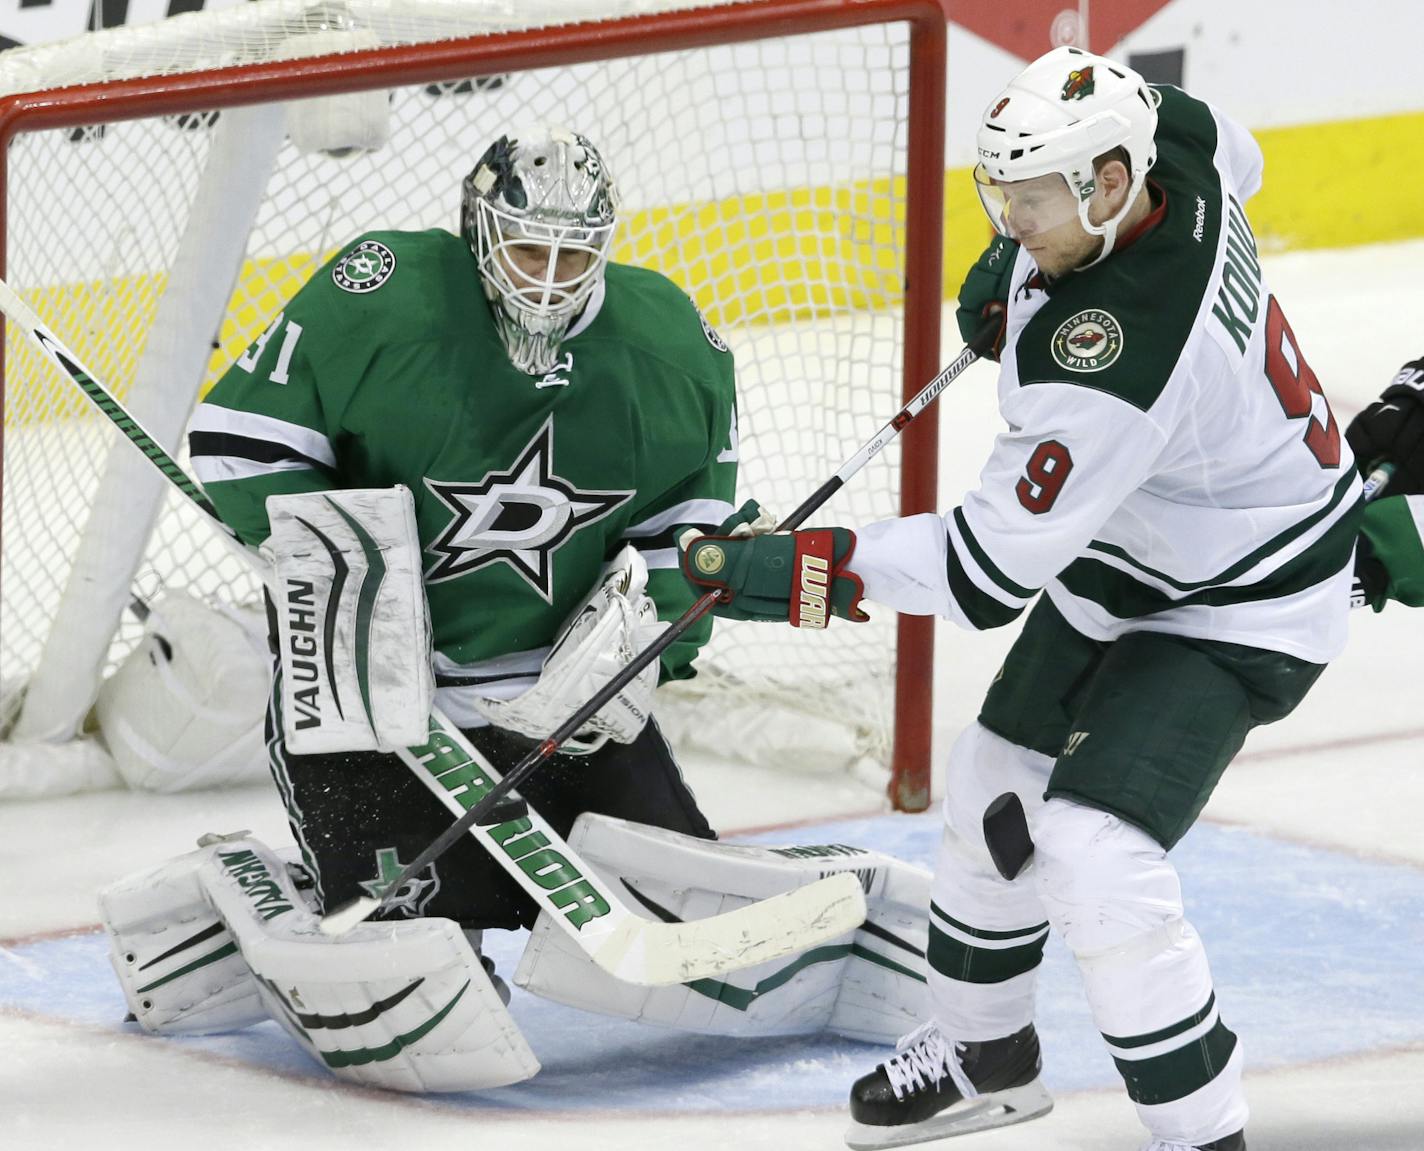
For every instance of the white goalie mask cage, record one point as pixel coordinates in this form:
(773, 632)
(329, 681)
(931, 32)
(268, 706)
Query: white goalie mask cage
(550, 190)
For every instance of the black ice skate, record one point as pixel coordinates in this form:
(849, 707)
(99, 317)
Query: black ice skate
(933, 1088)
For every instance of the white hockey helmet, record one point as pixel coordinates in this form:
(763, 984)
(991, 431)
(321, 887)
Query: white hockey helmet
(1055, 117)
(550, 191)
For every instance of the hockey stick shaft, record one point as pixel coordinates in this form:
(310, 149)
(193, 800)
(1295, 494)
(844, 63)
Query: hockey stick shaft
(529, 850)
(700, 607)
(1377, 481)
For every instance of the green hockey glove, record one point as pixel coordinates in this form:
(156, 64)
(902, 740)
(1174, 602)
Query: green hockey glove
(985, 294)
(751, 519)
(796, 577)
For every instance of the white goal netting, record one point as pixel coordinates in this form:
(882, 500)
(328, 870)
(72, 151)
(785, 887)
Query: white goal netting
(767, 178)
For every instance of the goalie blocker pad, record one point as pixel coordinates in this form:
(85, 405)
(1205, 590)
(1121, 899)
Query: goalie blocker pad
(352, 621)
(221, 939)
(868, 984)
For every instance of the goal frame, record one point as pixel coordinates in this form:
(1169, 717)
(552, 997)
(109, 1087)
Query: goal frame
(450, 60)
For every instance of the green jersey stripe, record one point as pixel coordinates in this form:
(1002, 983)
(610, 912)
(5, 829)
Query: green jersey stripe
(981, 557)
(981, 609)
(1247, 562)
(1126, 597)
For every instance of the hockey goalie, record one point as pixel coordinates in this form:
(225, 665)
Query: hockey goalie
(465, 459)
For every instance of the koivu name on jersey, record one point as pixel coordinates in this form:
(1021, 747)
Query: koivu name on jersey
(1238, 298)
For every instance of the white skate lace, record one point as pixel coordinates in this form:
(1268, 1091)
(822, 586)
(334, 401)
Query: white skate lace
(1168, 1145)
(924, 1057)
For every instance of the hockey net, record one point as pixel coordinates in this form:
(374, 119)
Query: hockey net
(774, 159)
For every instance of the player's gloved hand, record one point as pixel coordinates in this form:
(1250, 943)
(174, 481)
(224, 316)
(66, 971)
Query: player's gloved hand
(1389, 556)
(751, 519)
(1392, 430)
(797, 577)
(985, 296)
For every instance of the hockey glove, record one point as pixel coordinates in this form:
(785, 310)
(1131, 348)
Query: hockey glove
(1392, 430)
(985, 295)
(751, 519)
(796, 577)
(1389, 558)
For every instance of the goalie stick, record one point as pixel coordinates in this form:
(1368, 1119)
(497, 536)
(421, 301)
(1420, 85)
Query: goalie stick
(631, 948)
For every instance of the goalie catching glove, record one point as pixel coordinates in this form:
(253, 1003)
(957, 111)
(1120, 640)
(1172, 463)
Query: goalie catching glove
(800, 577)
(615, 622)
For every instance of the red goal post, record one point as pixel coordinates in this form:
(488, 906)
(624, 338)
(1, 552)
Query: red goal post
(895, 216)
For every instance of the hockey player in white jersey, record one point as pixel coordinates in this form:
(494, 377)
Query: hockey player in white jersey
(1172, 479)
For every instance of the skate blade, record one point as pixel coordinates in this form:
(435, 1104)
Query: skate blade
(1000, 1109)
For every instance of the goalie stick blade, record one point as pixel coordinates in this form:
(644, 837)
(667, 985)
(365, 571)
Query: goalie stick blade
(661, 954)
(348, 915)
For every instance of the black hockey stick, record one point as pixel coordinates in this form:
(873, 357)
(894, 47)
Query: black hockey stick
(358, 909)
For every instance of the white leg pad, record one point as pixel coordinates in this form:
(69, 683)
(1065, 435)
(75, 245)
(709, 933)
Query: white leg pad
(404, 1006)
(867, 984)
(179, 968)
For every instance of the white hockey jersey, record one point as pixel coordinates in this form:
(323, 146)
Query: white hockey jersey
(1171, 462)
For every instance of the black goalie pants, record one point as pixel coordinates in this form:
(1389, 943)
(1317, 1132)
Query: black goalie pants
(360, 817)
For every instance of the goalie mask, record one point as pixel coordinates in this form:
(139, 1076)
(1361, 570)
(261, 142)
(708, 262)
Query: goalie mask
(538, 215)
(1037, 142)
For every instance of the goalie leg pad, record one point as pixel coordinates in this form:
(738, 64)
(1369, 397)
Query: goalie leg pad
(405, 1006)
(868, 984)
(179, 968)
(353, 626)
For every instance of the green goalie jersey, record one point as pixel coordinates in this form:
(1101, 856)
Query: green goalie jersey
(386, 369)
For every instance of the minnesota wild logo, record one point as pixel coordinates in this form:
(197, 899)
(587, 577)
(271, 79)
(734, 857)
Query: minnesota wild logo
(365, 268)
(1088, 342)
(1078, 85)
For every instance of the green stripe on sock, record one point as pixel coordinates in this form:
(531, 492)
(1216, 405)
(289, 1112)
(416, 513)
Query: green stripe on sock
(1180, 1027)
(980, 933)
(968, 964)
(1176, 1074)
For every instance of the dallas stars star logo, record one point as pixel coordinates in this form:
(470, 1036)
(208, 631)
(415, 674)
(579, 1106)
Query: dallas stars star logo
(519, 517)
(412, 897)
